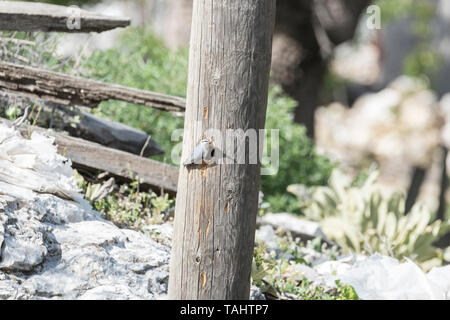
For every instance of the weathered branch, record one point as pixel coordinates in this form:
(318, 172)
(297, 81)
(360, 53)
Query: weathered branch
(69, 90)
(29, 16)
(85, 154)
(103, 131)
(84, 125)
(108, 133)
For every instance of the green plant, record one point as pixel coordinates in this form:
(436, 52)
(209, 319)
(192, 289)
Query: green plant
(276, 274)
(125, 205)
(361, 219)
(282, 202)
(12, 112)
(140, 60)
(346, 291)
(35, 49)
(394, 10)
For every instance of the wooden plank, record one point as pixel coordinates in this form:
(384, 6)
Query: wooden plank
(216, 207)
(35, 16)
(69, 90)
(92, 155)
(86, 154)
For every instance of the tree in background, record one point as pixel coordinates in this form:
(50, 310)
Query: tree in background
(305, 33)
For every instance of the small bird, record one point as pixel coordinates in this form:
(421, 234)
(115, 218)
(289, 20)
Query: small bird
(201, 154)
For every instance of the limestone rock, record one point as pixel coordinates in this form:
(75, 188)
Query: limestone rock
(54, 246)
(304, 229)
(267, 235)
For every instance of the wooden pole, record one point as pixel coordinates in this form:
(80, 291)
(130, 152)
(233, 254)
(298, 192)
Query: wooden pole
(215, 215)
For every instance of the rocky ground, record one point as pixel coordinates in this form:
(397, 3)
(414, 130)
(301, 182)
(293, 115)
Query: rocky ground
(53, 245)
(56, 249)
(53, 248)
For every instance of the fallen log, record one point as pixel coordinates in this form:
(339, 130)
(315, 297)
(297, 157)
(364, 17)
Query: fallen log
(100, 130)
(85, 154)
(29, 16)
(84, 125)
(69, 90)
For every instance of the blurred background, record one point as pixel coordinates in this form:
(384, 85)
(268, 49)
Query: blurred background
(370, 104)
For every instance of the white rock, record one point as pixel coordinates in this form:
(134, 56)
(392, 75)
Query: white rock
(256, 294)
(299, 227)
(8, 289)
(380, 277)
(34, 164)
(21, 255)
(53, 248)
(109, 292)
(161, 233)
(267, 235)
(440, 277)
(89, 233)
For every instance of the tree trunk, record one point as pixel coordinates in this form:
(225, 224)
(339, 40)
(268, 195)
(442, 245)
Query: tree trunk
(216, 207)
(299, 63)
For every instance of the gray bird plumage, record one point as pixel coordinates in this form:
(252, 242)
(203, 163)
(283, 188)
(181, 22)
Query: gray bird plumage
(200, 153)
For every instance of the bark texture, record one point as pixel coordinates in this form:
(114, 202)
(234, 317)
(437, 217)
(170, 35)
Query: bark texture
(216, 206)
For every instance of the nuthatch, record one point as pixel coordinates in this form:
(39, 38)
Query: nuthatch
(201, 154)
